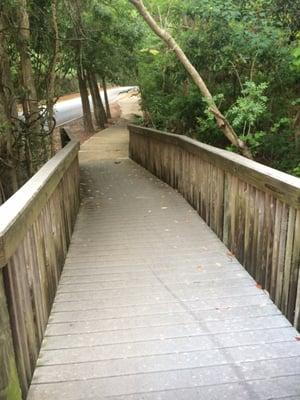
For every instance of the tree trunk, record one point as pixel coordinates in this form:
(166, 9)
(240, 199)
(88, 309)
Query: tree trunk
(87, 115)
(221, 121)
(296, 127)
(108, 113)
(30, 100)
(76, 8)
(98, 97)
(52, 77)
(8, 162)
(8, 119)
(27, 76)
(97, 110)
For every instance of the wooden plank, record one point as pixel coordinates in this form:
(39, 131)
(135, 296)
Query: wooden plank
(275, 252)
(281, 255)
(270, 221)
(226, 217)
(9, 381)
(219, 209)
(35, 286)
(265, 227)
(260, 205)
(297, 307)
(283, 186)
(17, 322)
(234, 185)
(288, 259)
(293, 304)
(40, 271)
(20, 211)
(240, 220)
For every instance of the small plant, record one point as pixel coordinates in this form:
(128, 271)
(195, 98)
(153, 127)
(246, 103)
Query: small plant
(296, 57)
(249, 107)
(296, 171)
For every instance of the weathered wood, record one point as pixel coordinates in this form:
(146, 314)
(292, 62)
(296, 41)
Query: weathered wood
(283, 186)
(294, 292)
(35, 230)
(9, 381)
(150, 304)
(25, 205)
(254, 209)
(288, 260)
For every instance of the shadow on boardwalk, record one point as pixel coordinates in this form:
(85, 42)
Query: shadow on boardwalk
(150, 305)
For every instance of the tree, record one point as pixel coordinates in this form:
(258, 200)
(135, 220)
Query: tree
(247, 57)
(106, 97)
(30, 99)
(28, 71)
(79, 37)
(221, 120)
(8, 120)
(99, 111)
(52, 74)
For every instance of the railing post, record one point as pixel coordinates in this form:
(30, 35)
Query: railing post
(9, 382)
(64, 137)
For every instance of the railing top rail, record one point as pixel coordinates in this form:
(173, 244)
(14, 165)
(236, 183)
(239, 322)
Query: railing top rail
(283, 186)
(20, 210)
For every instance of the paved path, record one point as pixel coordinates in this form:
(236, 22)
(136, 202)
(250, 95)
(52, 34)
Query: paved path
(151, 306)
(68, 110)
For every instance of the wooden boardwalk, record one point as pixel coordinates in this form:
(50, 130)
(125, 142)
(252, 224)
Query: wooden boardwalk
(152, 306)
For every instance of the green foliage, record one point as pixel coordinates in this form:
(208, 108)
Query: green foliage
(111, 36)
(246, 51)
(254, 142)
(296, 57)
(249, 107)
(296, 171)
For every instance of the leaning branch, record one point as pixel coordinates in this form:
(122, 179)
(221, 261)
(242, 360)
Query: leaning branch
(221, 120)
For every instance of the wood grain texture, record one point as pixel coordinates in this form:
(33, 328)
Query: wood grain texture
(283, 186)
(25, 205)
(9, 385)
(35, 231)
(254, 209)
(150, 304)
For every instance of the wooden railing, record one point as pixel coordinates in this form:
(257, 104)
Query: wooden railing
(254, 209)
(35, 229)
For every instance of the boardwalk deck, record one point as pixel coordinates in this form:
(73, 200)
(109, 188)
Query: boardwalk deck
(152, 306)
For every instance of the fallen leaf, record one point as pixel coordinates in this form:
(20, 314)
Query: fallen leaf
(199, 268)
(230, 254)
(258, 286)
